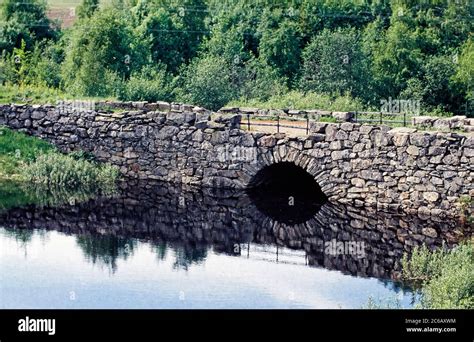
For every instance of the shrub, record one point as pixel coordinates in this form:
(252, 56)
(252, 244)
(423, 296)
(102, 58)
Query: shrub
(334, 63)
(150, 84)
(45, 65)
(100, 55)
(207, 82)
(261, 81)
(54, 170)
(446, 277)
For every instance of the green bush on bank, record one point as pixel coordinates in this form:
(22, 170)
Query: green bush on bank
(445, 278)
(54, 170)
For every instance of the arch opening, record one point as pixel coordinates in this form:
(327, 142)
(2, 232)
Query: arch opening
(286, 192)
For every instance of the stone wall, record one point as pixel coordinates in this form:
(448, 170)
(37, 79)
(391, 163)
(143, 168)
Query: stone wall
(459, 122)
(311, 113)
(361, 165)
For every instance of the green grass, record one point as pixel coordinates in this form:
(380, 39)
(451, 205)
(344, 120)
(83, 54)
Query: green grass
(17, 150)
(302, 101)
(33, 171)
(37, 95)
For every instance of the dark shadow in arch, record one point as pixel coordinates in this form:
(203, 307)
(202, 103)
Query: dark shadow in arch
(286, 193)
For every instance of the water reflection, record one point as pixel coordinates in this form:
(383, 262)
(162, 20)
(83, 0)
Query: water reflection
(189, 223)
(14, 195)
(105, 249)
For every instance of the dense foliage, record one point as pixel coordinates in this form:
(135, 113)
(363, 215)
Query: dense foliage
(55, 170)
(210, 52)
(446, 277)
(31, 161)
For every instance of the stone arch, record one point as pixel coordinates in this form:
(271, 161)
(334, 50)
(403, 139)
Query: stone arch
(306, 161)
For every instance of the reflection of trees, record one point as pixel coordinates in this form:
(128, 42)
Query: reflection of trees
(396, 286)
(187, 255)
(22, 236)
(401, 287)
(160, 250)
(105, 250)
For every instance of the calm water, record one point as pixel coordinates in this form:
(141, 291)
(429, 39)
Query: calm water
(152, 246)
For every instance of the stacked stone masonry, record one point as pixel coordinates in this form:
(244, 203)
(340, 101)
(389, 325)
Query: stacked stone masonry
(361, 165)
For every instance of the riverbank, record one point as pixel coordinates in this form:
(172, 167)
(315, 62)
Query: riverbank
(30, 166)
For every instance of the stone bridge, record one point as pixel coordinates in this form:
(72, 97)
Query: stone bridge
(359, 165)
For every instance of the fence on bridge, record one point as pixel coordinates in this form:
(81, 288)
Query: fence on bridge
(281, 121)
(380, 118)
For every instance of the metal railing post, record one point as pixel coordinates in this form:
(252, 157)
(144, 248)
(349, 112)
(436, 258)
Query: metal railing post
(248, 122)
(404, 119)
(381, 120)
(307, 124)
(278, 123)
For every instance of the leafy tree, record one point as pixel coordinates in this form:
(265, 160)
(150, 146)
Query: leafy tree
(21, 59)
(317, 15)
(396, 59)
(11, 34)
(173, 31)
(280, 43)
(464, 76)
(334, 63)
(100, 47)
(438, 71)
(87, 8)
(261, 81)
(207, 82)
(24, 20)
(45, 64)
(337, 48)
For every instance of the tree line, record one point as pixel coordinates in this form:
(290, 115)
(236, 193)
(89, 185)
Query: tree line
(214, 52)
